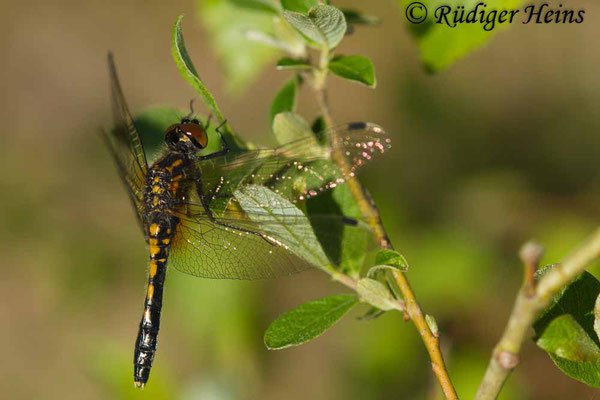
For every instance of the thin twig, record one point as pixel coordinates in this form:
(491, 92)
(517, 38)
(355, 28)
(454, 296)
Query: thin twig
(371, 216)
(527, 307)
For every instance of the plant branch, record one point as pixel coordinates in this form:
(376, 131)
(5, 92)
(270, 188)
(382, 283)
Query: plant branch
(372, 217)
(528, 305)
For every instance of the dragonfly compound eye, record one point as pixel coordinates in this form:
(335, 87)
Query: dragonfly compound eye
(172, 134)
(196, 133)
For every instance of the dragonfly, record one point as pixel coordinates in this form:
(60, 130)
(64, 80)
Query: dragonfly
(233, 213)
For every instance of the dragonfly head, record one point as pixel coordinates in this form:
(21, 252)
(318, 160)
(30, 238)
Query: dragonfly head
(189, 135)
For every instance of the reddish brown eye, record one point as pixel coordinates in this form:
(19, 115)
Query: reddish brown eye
(171, 128)
(196, 131)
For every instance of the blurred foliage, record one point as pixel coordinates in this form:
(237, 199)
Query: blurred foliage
(441, 45)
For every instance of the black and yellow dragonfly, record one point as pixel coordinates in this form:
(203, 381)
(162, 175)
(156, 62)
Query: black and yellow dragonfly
(231, 214)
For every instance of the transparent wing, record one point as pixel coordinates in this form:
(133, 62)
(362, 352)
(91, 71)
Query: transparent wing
(125, 146)
(257, 245)
(232, 244)
(298, 170)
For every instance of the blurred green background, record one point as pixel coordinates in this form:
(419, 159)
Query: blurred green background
(500, 148)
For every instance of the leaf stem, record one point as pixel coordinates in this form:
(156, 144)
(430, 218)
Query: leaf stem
(528, 305)
(372, 217)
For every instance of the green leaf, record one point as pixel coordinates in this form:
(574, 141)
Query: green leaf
(349, 253)
(440, 45)
(285, 99)
(566, 330)
(324, 25)
(572, 350)
(301, 6)
(354, 17)
(188, 71)
(577, 299)
(565, 338)
(266, 206)
(293, 64)
(288, 127)
(375, 293)
(354, 68)
(242, 37)
(271, 6)
(391, 258)
(307, 321)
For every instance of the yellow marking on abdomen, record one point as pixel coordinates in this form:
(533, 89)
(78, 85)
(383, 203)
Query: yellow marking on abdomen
(153, 268)
(150, 291)
(153, 244)
(154, 229)
(156, 189)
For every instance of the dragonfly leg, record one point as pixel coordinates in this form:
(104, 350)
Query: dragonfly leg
(225, 146)
(211, 217)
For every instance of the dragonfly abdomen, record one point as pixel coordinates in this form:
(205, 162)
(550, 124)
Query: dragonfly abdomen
(161, 190)
(160, 234)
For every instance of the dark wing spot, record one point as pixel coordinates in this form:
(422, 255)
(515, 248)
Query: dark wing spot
(355, 126)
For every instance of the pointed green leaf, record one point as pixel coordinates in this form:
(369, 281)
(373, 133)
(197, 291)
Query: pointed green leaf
(375, 293)
(288, 127)
(307, 321)
(565, 338)
(577, 299)
(266, 206)
(285, 99)
(188, 71)
(324, 25)
(293, 64)
(566, 330)
(391, 258)
(354, 68)
(572, 350)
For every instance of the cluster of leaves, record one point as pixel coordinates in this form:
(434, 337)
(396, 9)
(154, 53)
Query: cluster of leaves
(320, 28)
(569, 330)
(248, 35)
